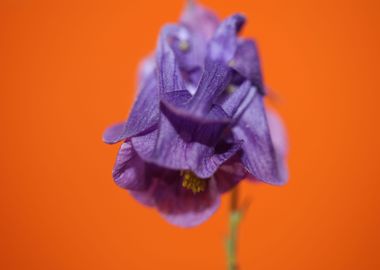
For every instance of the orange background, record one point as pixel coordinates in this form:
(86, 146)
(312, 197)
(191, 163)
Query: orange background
(68, 69)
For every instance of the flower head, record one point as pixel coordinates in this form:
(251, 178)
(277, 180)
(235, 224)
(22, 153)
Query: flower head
(198, 125)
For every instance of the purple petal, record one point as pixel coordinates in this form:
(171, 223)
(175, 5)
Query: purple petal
(178, 103)
(214, 81)
(217, 73)
(223, 45)
(246, 62)
(129, 169)
(113, 133)
(146, 68)
(143, 117)
(178, 205)
(168, 76)
(208, 161)
(236, 103)
(229, 174)
(176, 99)
(279, 139)
(181, 207)
(228, 108)
(146, 197)
(199, 20)
(258, 156)
(185, 145)
(190, 51)
(201, 24)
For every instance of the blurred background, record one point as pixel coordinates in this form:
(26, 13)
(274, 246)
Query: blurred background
(68, 70)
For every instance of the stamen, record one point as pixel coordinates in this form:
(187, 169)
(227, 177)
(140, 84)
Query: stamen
(192, 182)
(232, 63)
(231, 88)
(184, 45)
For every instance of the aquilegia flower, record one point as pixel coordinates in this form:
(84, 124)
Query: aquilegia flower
(198, 125)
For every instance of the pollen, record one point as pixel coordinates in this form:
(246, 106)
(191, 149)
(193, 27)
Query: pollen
(184, 45)
(192, 182)
(231, 88)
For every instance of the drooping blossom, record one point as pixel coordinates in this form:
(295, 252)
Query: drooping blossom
(198, 125)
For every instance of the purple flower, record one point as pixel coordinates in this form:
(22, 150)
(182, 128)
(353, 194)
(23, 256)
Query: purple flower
(198, 125)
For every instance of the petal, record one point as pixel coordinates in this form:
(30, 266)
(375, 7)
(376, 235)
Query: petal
(113, 133)
(182, 144)
(168, 74)
(176, 99)
(183, 208)
(199, 19)
(206, 162)
(214, 81)
(236, 103)
(177, 103)
(129, 169)
(201, 23)
(146, 197)
(246, 62)
(229, 175)
(146, 68)
(217, 73)
(258, 156)
(223, 45)
(143, 117)
(190, 51)
(179, 206)
(279, 139)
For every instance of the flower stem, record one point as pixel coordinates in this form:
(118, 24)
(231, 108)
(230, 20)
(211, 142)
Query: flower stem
(232, 238)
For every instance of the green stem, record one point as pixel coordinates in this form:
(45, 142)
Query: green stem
(232, 239)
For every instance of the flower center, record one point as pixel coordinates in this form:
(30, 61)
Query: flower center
(192, 182)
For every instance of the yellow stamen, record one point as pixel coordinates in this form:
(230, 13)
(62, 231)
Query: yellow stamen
(192, 182)
(231, 88)
(184, 45)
